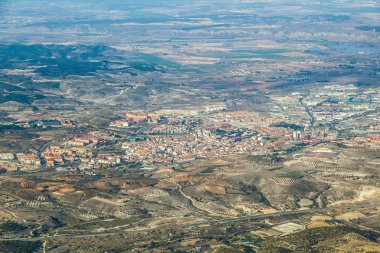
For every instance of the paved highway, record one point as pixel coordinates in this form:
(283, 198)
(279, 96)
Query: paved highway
(183, 225)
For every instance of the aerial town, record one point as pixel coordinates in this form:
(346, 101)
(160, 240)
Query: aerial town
(189, 126)
(333, 113)
(196, 161)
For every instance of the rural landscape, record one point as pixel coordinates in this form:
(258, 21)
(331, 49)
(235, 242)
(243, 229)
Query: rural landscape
(189, 126)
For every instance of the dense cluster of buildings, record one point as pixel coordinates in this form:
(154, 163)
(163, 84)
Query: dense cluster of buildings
(78, 152)
(331, 113)
(136, 118)
(336, 103)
